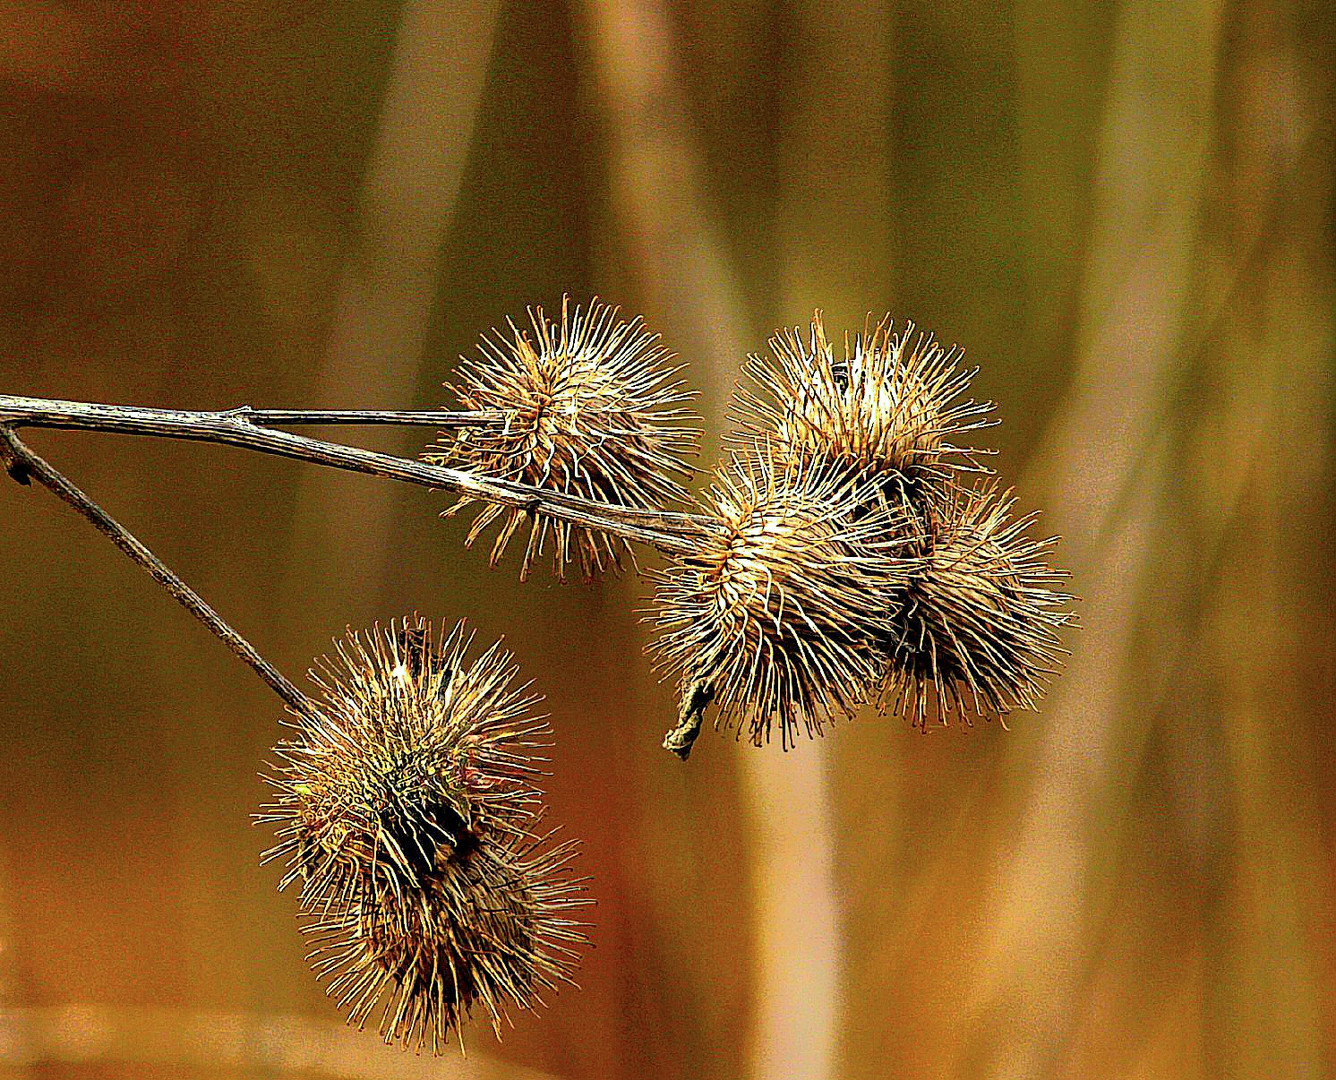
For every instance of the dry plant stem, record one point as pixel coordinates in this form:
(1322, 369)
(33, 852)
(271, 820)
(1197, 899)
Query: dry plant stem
(669, 532)
(437, 418)
(690, 717)
(24, 466)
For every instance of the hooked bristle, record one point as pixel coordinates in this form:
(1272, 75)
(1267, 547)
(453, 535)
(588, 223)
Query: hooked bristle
(976, 635)
(774, 617)
(591, 407)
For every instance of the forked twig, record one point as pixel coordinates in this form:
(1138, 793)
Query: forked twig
(667, 531)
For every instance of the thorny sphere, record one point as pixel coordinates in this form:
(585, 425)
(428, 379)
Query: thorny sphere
(973, 631)
(406, 806)
(488, 927)
(976, 633)
(591, 407)
(888, 408)
(408, 750)
(776, 616)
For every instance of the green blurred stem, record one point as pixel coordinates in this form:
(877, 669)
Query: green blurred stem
(674, 533)
(25, 466)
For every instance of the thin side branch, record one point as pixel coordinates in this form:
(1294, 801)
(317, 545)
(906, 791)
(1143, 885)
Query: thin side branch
(25, 466)
(669, 532)
(437, 418)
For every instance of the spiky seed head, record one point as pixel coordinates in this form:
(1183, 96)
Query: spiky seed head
(410, 750)
(590, 406)
(406, 809)
(888, 409)
(490, 926)
(977, 632)
(774, 617)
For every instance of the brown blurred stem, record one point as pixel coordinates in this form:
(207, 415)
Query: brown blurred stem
(25, 466)
(669, 532)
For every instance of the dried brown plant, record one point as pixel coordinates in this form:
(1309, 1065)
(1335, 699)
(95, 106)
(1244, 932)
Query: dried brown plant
(975, 632)
(407, 810)
(488, 926)
(970, 629)
(839, 555)
(888, 408)
(590, 406)
(774, 616)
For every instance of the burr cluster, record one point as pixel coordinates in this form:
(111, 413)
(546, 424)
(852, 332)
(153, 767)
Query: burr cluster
(407, 812)
(850, 549)
(945, 606)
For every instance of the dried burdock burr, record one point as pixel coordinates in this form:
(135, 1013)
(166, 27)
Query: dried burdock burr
(976, 630)
(888, 408)
(774, 617)
(406, 809)
(589, 406)
(489, 926)
(972, 632)
(407, 748)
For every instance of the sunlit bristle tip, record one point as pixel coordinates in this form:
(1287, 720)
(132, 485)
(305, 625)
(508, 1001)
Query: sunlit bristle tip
(490, 927)
(889, 408)
(590, 406)
(976, 635)
(774, 618)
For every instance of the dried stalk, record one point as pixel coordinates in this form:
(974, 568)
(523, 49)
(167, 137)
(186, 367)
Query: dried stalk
(438, 418)
(668, 531)
(25, 466)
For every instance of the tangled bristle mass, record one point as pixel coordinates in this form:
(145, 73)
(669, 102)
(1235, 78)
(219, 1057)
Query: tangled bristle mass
(774, 617)
(887, 409)
(976, 634)
(406, 807)
(489, 927)
(968, 620)
(591, 407)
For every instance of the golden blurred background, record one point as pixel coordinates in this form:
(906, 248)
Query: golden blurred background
(1123, 210)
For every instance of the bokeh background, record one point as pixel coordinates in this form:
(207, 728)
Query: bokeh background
(1124, 212)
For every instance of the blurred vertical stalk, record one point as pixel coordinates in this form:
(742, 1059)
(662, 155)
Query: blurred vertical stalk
(833, 239)
(666, 216)
(380, 325)
(658, 190)
(1106, 475)
(1060, 79)
(18, 1063)
(1258, 437)
(675, 254)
